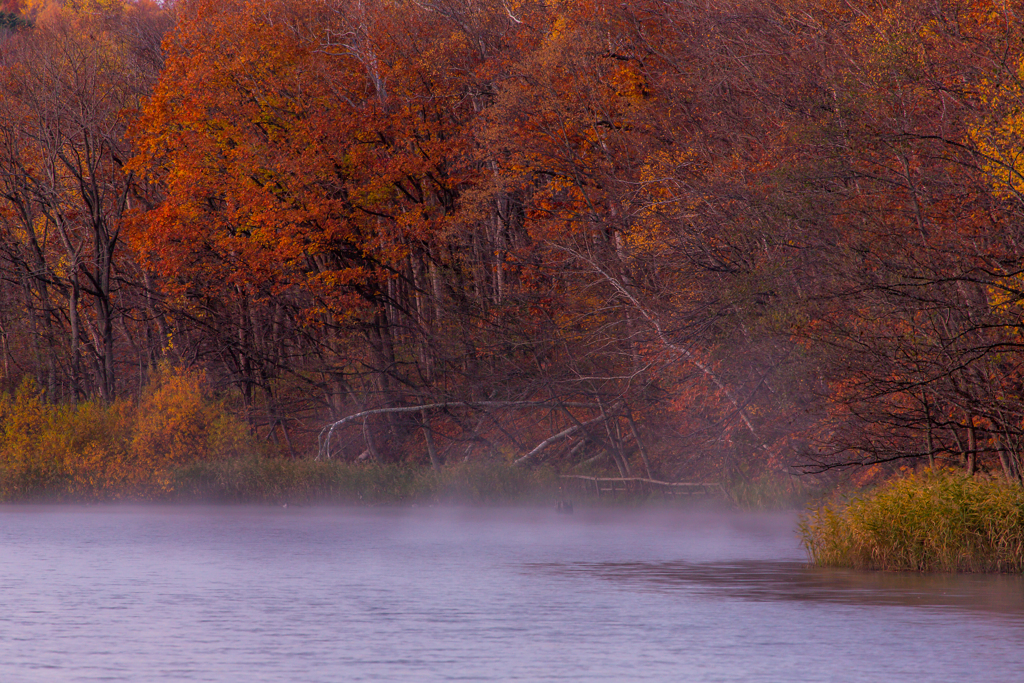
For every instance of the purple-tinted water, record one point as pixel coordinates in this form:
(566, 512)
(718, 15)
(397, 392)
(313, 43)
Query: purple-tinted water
(307, 595)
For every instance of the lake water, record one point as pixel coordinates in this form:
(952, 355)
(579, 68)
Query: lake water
(422, 594)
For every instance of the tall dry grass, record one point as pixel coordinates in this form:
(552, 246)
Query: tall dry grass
(932, 521)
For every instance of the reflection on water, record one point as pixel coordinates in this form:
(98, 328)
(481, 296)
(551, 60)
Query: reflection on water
(795, 581)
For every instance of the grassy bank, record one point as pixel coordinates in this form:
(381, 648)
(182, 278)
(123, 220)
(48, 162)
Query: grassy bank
(176, 442)
(280, 480)
(932, 521)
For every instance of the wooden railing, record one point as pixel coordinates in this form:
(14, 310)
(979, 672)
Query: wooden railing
(637, 486)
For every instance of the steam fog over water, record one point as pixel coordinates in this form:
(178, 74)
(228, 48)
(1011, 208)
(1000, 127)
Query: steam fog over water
(304, 595)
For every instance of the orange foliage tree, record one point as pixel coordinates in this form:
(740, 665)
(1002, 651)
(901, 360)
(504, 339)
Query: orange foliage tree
(658, 237)
(327, 211)
(66, 86)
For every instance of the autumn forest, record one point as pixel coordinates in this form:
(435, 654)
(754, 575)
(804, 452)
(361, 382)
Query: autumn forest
(659, 238)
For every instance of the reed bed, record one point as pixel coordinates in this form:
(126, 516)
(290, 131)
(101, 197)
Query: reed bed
(932, 521)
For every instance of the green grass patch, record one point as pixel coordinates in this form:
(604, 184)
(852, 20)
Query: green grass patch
(932, 521)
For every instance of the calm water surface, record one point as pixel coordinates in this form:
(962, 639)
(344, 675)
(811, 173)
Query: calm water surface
(308, 595)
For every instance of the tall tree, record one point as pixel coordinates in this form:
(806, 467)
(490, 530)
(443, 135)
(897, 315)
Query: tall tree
(66, 86)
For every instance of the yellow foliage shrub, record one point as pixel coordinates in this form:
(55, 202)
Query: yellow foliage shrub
(24, 425)
(95, 450)
(170, 422)
(176, 423)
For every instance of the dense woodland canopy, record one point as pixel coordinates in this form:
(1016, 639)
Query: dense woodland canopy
(663, 237)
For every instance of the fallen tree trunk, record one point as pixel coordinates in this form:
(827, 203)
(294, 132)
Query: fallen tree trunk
(324, 439)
